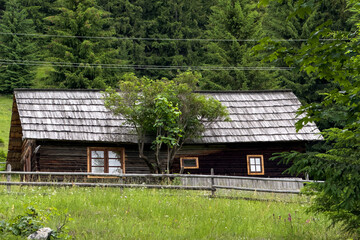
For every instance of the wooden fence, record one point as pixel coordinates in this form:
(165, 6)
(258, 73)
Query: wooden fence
(186, 181)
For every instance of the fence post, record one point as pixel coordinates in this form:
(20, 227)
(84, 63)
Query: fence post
(8, 177)
(213, 189)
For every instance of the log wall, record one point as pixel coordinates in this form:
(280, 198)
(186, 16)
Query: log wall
(15, 140)
(225, 159)
(231, 159)
(72, 157)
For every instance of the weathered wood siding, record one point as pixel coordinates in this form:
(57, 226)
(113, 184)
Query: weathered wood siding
(72, 157)
(15, 140)
(231, 159)
(225, 159)
(244, 183)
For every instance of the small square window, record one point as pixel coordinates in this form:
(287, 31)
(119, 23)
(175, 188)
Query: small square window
(255, 164)
(189, 162)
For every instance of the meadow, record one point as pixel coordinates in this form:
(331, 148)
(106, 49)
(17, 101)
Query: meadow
(5, 119)
(108, 213)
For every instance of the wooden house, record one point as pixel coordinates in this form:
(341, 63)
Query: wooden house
(71, 130)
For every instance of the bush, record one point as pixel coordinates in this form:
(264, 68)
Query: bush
(31, 221)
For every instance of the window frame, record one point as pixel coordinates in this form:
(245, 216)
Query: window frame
(261, 164)
(196, 160)
(106, 159)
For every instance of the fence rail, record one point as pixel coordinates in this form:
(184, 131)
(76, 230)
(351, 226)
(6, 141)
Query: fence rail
(212, 182)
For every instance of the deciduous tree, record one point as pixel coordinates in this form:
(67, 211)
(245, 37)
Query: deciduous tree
(167, 112)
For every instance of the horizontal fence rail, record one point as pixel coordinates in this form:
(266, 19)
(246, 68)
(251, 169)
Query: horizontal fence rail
(153, 176)
(212, 182)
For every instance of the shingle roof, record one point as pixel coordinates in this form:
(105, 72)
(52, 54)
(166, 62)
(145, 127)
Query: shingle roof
(79, 115)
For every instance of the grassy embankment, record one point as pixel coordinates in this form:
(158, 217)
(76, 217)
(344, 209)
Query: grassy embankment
(168, 214)
(5, 118)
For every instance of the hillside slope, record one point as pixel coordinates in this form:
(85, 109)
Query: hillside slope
(5, 118)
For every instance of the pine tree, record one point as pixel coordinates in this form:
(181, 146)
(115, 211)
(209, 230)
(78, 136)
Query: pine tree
(15, 49)
(81, 18)
(233, 19)
(159, 19)
(278, 25)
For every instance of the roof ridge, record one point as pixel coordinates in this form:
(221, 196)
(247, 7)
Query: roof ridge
(197, 91)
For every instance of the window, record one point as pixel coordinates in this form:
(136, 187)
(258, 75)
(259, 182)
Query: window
(189, 162)
(106, 160)
(255, 164)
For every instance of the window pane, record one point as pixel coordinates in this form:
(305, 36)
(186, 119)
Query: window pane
(115, 170)
(97, 169)
(257, 161)
(258, 168)
(189, 162)
(114, 162)
(113, 154)
(97, 162)
(252, 168)
(252, 161)
(97, 154)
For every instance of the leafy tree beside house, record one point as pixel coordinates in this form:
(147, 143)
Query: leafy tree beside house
(167, 112)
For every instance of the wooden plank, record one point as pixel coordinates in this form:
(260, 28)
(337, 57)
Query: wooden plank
(64, 184)
(258, 189)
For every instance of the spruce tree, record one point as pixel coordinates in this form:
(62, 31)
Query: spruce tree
(159, 19)
(236, 20)
(81, 18)
(15, 50)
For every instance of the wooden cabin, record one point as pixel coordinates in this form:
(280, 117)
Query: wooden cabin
(71, 130)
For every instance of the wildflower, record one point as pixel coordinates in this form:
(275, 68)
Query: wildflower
(289, 218)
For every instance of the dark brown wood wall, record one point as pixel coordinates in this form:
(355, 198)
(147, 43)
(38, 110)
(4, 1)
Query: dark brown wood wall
(15, 140)
(227, 159)
(231, 159)
(72, 157)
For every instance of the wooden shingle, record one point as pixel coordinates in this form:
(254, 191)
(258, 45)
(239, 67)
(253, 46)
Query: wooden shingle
(79, 115)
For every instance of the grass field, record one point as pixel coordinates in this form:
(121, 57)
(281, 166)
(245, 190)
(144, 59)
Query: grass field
(5, 118)
(100, 213)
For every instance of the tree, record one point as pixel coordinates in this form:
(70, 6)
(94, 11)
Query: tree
(167, 112)
(79, 56)
(234, 19)
(14, 49)
(337, 62)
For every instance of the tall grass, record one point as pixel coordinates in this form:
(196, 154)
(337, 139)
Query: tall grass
(5, 119)
(104, 213)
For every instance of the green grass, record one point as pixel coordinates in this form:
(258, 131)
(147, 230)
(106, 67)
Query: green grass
(5, 119)
(100, 213)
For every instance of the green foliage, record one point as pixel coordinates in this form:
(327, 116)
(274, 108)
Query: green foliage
(233, 19)
(339, 165)
(2, 155)
(31, 221)
(5, 118)
(15, 49)
(167, 111)
(22, 225)
(81, 18)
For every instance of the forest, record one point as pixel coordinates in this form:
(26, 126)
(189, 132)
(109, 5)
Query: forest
(93, 43)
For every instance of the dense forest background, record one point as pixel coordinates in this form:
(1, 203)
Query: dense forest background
(93, 43)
